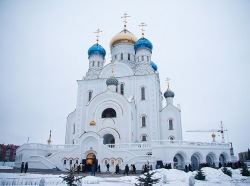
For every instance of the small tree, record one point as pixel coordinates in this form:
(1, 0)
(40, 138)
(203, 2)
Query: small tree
(200, 175)
(245, 171)
(147, 180)
(226, 171)
(70, 178)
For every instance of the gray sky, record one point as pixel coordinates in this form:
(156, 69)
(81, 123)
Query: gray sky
(203, 46)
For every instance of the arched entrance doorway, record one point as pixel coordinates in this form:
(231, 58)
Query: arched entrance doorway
(222, 159)
(108, 139)
(195, 162)
(179, 161)
(210, 159)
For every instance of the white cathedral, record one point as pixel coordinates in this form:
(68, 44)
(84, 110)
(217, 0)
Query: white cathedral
(122, 117)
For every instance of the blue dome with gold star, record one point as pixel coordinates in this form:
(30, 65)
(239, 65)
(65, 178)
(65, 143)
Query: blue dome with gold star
(154, 66)
(97, 49)
(143, 43)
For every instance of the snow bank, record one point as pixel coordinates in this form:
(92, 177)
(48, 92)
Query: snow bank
(172, 175)
(91, 180)
(215, 175)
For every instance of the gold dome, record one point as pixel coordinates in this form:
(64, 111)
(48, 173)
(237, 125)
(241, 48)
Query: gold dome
(124, 36)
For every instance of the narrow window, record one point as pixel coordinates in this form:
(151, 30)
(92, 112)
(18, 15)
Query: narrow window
(122, 89)
(143, 121)
(70, 162)
(144, 138)
(142, 93)
(142, 58)
(76, 161)
(73, 141)
(121, 56)
(93, 63)
(138, 59)
(98, 63)
(64, 162)
(129, 57)
(170, 124)
(90, 95)
(147, 58)
(115, 56)
(74, 128)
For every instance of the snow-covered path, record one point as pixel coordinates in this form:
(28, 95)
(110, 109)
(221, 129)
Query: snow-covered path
(170, 177)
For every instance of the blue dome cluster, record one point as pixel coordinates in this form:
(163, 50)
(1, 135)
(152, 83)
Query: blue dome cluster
(97, 49)
(169, 93)
(154, 66)
(143, 43)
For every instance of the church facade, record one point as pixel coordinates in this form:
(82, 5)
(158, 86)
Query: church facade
(122, 117)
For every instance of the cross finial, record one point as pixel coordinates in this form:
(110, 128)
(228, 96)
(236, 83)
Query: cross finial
(49, 140)
(142, 25)
(97, 32)
(168, 81)
(124, 17)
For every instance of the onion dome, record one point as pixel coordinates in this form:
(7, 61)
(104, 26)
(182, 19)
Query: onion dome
(169, 94)
(97, 49)
(124, 36)
(112, 81)
(143, 43)
(154, 66)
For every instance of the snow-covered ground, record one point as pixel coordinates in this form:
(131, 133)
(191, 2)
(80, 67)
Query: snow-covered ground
(6, 165)
(170, 177)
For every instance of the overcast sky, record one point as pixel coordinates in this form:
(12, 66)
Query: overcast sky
(203, 46)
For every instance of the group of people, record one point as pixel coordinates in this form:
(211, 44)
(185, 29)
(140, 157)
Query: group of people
(146, 168)
(24, 167)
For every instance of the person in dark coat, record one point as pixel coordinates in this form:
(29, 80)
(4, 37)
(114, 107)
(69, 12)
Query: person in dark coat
(107, 167)
(190, 167)
(186, 168)
(99, 168)
(117, 169)
(22, 167)
(126, 170)
(26, 167)
(93, 170)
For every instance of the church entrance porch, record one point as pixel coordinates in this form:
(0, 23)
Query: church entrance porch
(108, 139)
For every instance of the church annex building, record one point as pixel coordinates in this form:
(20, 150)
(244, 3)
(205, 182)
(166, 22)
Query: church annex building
(122, 117)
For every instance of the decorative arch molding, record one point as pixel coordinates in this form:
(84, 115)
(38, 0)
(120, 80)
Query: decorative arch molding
(225, 156)
(183, 154)
(198, 155)
(109, 130)
(120, 69)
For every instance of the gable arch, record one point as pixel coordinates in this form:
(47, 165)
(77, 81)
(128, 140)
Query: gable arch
(120, 69)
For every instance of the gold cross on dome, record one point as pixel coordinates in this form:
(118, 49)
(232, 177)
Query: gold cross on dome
(142, 25)
(97, 32)
(168, 81)
(124, 17)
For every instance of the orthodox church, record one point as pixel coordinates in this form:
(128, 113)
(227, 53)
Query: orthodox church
(122, 117)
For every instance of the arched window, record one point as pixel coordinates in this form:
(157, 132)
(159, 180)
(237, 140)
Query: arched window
(122, 88)
(142, 58)
(143, 121)
(90, 95)
(147, 58)
(144, 137)
(142, 93)
(115, 57)
(93, 63)
(98, 63)
(64, 162)
(170, 125)
(109, 113)
(121, 56)
(129, 57)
